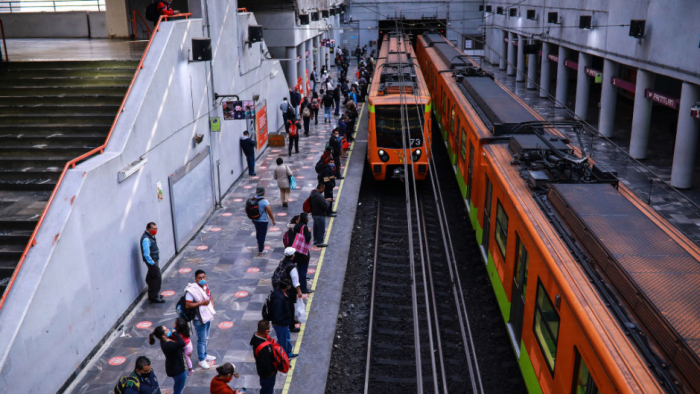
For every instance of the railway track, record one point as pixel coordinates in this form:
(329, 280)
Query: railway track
(420, 307)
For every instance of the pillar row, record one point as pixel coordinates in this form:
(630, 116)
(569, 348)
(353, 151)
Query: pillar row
(503, 60)
(544, 72)
(642, 115)
(291, 73)
(301, 50)
(520, 76)
(608, 99)
(583, 86)
(686, 139)
(531, 70)
(511, 54)
(562, 79)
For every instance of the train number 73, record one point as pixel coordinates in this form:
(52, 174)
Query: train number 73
(415, 141)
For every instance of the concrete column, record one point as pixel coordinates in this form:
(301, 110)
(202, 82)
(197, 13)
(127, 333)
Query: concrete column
(511, 54)
(520, 77)
(301, 50)
(504, 50)
(316, 56)
(562, 79)
(608, 99)
(291, 72)
(686, 139)
(117, 21)
(641, 116)
(531, 69)
(583, 85)
(546, 66)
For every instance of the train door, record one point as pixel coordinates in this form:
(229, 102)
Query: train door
(487, 216)
(470, 172)
(519, 287)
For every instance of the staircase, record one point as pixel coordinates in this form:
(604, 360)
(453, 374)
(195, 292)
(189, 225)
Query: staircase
(50, 113)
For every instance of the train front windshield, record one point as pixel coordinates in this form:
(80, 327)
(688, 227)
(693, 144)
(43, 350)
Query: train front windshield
(388, 125)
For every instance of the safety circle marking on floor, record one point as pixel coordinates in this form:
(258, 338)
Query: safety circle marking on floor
(309, 158)
(247, 187)
(317, 143)
(315, 248)
(202, 247)
(118, 360)
(167, 293)
(227, 214)
(305, 167)
(274, 228)
(281, 213)
(254, 177)
(291, 200)
(253, 270)
(225, 325)
(262, 167)
(301, 177)
(240, 294)
(267, 247)
(311, 271)
(144, 325)
(237, 200)
(215, 229)
(184, 270)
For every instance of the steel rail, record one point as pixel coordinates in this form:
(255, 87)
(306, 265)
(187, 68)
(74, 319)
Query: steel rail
(371, 300)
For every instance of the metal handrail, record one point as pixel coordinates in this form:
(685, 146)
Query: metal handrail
(148, 29)
(51, 5)
(72, 163)
(4, 44)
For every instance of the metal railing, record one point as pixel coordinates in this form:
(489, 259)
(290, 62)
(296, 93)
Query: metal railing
(71, 164)
(51, 5)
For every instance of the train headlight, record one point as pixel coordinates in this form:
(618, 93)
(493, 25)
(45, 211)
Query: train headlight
(416, 154)
(383, 156)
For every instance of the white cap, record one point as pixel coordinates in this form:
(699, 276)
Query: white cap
(289, 251)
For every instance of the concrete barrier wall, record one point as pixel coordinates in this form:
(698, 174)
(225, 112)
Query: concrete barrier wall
(69, 24)
(86, 269)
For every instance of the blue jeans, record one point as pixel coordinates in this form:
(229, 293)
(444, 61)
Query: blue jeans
(179, 384)
(267, 385)
(337, 107)
(260, 234)
(314, 87)
(284, 338)
(251, 164)
(319, 229)
(327, 113)
(202, 338)
(302, 267)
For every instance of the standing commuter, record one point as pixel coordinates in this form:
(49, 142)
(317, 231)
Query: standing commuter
(335, 143)
(264, 357)
(151, 256)
(327, 107)
(283, 315)
(302, 256)
(261, 222)
(248, 147)
(327, 176)
(293, 128)
(320, 207)
(295, 99)
(312, 78)
(171, 344)
(358, 55)
(315, 105)
(306, 112)
(284, 107)
(143, 380)
(336, 99)
(197, 295)
(282, 174)
(219, 383)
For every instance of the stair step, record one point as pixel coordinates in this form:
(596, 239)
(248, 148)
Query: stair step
(18, 224)
(28, 187)
(14, 131)
(44, 120)
(64, 99)
(91, 65)
(32, 152)
(67, 72)
(61, 90)
(15, 237)
(41, 110)
(25, 163)
(59, 81)
(33, 139)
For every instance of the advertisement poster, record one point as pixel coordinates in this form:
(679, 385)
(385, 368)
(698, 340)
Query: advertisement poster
(233, 110)
(249, 109)
(261, 122)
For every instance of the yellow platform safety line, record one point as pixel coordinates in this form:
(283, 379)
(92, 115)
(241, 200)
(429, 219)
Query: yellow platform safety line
(310, 299)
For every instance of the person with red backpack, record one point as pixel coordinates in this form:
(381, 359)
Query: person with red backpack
(294, 126)
(267, 360)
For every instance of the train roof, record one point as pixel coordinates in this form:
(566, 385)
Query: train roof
(397, 73)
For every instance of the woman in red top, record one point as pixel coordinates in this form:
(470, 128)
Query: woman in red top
(219, 385)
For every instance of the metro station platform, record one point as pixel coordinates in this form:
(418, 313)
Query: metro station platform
(73, 49)
(226, 249)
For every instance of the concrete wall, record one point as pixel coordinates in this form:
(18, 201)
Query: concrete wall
(70, 24)
(669, 48)
(86, 269)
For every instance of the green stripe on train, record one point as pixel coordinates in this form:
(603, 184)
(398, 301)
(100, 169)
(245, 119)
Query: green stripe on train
(460, 182)
(498, 288)
(371, 109)
(429, 107)
(474, 216)
(531, 382)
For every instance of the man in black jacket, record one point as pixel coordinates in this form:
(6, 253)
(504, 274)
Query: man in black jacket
(151, 255)
(295, 99)
(248, 147)
(302, 259)
(320, 208)
(283, 315)
(327, 176)
(264, 358)
(327, 107)
(293, 129)
(335, 144)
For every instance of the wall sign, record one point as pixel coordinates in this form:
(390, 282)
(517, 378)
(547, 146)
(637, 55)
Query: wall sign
(670, 102)
(261, 124)
(571, 64)
(695, 113)
(598, 75)
(215, 124)
(553, 58)
(623, 84)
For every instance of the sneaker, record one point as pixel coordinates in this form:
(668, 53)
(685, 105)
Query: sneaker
(204, 365)
(209, 358)
(293, 355)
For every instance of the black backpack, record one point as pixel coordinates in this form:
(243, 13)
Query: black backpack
(290, 110)
(152, 13)
(127, 381)
(267, 307)
(282, 271)
(184, 312)
(319, 166)
(252, 209)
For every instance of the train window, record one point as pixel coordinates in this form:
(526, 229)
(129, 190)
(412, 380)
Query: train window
(501, 229)
(388, 126)
(463, 147)
(487, 216)
(583, 381)
(546, 326)
(521, 263)
(471, 170)
(452, 120)
(444, 102)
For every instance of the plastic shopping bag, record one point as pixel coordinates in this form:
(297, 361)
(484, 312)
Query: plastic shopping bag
(300, 311)
(292, 183)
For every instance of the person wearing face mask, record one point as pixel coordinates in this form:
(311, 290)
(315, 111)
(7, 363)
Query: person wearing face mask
(172, 345)
(327, 177)
(151, 255)
(264, 357)
(219, 384)
(143, 380)
(336, 144)
(198, 296)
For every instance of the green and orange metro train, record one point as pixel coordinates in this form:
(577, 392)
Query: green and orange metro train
(599, 293)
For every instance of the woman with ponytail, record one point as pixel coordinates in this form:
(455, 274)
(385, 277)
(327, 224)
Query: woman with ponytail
(219, 385)
(172, 345)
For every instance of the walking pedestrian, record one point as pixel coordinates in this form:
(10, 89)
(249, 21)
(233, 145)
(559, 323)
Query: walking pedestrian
(261, 222)
(198, 295)
(312, 78)
(182, 328)
(302, 256)
(284, 107)
(315, 105)
(248, 147)
(293, 127)
(151, 256)
(283, 315)
(264, 357)
(306, 113)
(320, 208)
(358, 54)
(171, 344)
(295, 100)
(327, 107)
(335, 143)
(219, 383)
(353, 94)
(282, 174)
(142, 380)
